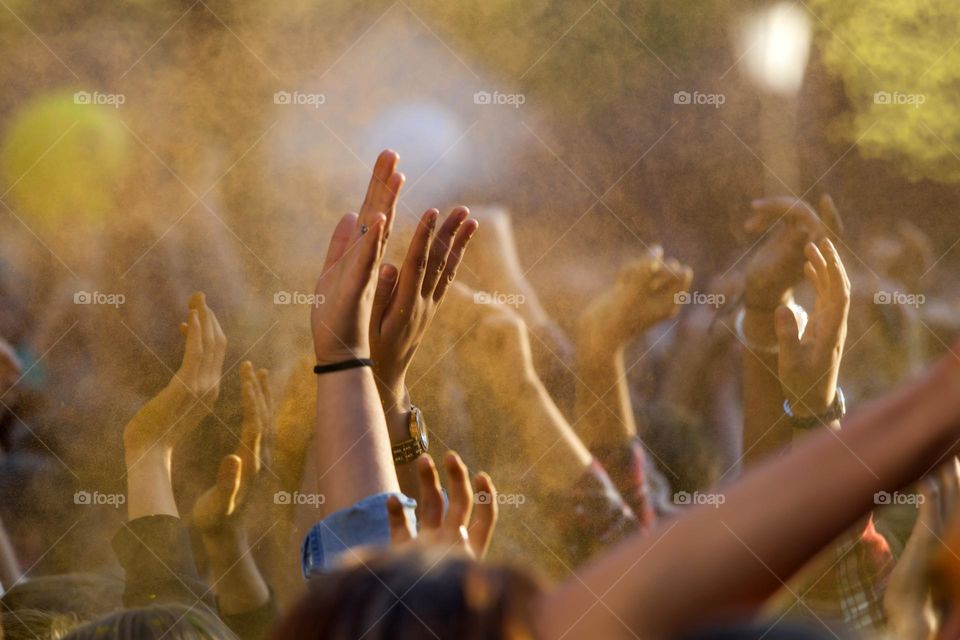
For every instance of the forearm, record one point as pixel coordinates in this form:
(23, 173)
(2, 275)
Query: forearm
(396, 409)
(554, 448)
(765, 428)
(770, 524)
(237, 581)
(603, 408)
(351, 442)
(149, 486)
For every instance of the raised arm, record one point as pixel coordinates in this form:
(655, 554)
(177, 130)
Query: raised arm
(769, 524)
(787, 226)
(647, 292)
(219, 512)
(352, 446)
(404, 305)
(153, 547)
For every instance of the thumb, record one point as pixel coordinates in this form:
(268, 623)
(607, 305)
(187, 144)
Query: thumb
(228, 483)
(386, 282)
(788, 332)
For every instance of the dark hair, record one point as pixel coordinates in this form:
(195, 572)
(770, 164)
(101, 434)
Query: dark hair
(421, 594)
(170, 622)
(30, 624)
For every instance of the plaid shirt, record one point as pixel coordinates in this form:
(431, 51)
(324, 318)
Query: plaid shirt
(846, 582)
(626, 464)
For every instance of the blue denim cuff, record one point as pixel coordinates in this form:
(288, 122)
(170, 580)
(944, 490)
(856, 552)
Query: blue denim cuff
(362, 524)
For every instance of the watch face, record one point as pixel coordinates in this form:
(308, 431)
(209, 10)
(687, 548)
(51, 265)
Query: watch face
(418, 429)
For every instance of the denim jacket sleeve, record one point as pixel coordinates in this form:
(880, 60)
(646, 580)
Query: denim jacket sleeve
(362, 524)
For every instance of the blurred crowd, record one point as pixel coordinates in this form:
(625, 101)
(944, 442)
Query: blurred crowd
(767, 452)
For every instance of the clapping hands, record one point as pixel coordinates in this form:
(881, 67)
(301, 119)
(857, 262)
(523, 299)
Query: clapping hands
(221, 506)
(346, 284)
(189, 397)
(406, 301)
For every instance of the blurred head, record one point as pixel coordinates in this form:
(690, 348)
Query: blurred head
(84, 595)
(422, 594)
(170, 622)
(30, 624)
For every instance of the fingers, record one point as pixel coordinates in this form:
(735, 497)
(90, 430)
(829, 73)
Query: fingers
(415, 263)
(383, 190)
(399, 529)
(431, 499)
(460, 493)
(193, 353)
(460, 242)
(386, 284)
(254, 413)
(830, 216)
(198, 301)
(819, 264)
(339, 241)
(214, 348)
(369, 245)
(768, 211)
(485, 514)
(229, 476)
(839, 282)
(441, 250)
(263, 377)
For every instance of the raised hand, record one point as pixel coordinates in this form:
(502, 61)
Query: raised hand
(190, 394)
(220, 506)
(219, 512)
(810, 365)
(777, 266)
(471, 515)
(407, 300)
(646, 292)
(341, 324)
(922, 588)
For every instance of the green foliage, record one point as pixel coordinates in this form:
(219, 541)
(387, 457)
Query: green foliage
(900, 67)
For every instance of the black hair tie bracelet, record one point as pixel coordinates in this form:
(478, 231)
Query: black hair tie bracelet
(342, 366)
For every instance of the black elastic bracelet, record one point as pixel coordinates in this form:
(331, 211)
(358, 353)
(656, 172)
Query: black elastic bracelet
(341, 366)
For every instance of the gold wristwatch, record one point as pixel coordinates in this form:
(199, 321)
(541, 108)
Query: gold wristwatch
(417, 445)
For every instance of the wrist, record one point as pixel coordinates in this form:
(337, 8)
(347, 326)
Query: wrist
(325, 356)
(396, 410)
(813, 406)
(158, 455)
(225, 544)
